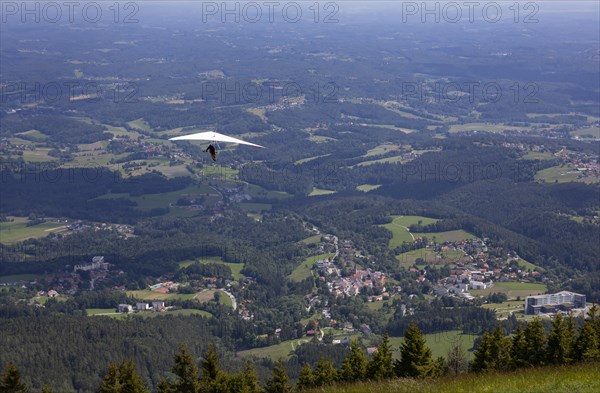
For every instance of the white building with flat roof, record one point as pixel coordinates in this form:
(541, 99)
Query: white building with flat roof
(553, 302)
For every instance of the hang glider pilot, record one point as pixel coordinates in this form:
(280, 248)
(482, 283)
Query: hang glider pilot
(212, 151)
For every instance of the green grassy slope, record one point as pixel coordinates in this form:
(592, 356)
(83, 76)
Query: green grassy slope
(569, 379)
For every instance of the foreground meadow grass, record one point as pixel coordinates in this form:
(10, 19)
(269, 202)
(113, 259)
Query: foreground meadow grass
(579, 378)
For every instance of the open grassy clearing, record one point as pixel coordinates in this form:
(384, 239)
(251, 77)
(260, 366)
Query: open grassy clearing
(382, 149)
(505, 309)
(368, 187)
(34, 135)
(407, 259)
(206, 296)
(140, 124)
(220, 172)
(148, 295)
(307, 159)
(387, 160)
(440, 343)
(486, 127)
(274, 352)
(285, 348)
(259, 192)
(19, 277)
(236, 268)
(18, 231)
(40, 154)
(513, 289)
(563, 174)
(181, 312)
(317, 191)
(537, 155)
(312, 239)
(592, 132)
(399, 228)
(529, 266)
(448, 236)
(303, 270)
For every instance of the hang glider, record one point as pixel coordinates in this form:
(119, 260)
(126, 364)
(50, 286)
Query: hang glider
(212, 136)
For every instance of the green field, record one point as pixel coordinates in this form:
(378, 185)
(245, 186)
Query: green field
(448, 236)
(303, 270)
(206, 296)
(399, 228)
(255, 207)
(534, 155)
(382, 149)
(578, 378)
(148, 295)
(180, 312)
(387, 160)
(274, 352)
(529, 266)
(407, 259)
(220, 172)
(18, 277)
(440, 343)
(312, 239)
(140, 124)
(40, 154)
(258, 192)
(236, 268)
(17, 230)
(368, 187)
(563, 174)
(592, 132)
(505, 309)
(317, 191)
(307, 159)
(485, 127)
(513, 289)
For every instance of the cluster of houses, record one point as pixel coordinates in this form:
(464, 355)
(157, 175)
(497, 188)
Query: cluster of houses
(139, 307)
(165, 287)
(352, 286)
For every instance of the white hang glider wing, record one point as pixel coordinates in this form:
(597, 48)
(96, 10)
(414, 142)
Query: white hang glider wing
(212, 136)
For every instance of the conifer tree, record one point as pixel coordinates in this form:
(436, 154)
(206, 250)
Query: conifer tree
(483, 360)
(46, 389)
(586, 346)
(325, 373)
(570, 335)
(111, 383)
(251, 379)
(306, 379)
(210, 365)
(130, 380)
(518, 350)
(186, 370)
(11, 381)
(279, 380)
(415, 355)
(557, 350)
(535, 337)
(354, 366)
(380, 365)
(164, 387)
(500, 349)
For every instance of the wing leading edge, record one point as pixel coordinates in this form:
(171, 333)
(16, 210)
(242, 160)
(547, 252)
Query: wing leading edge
(213, 136)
